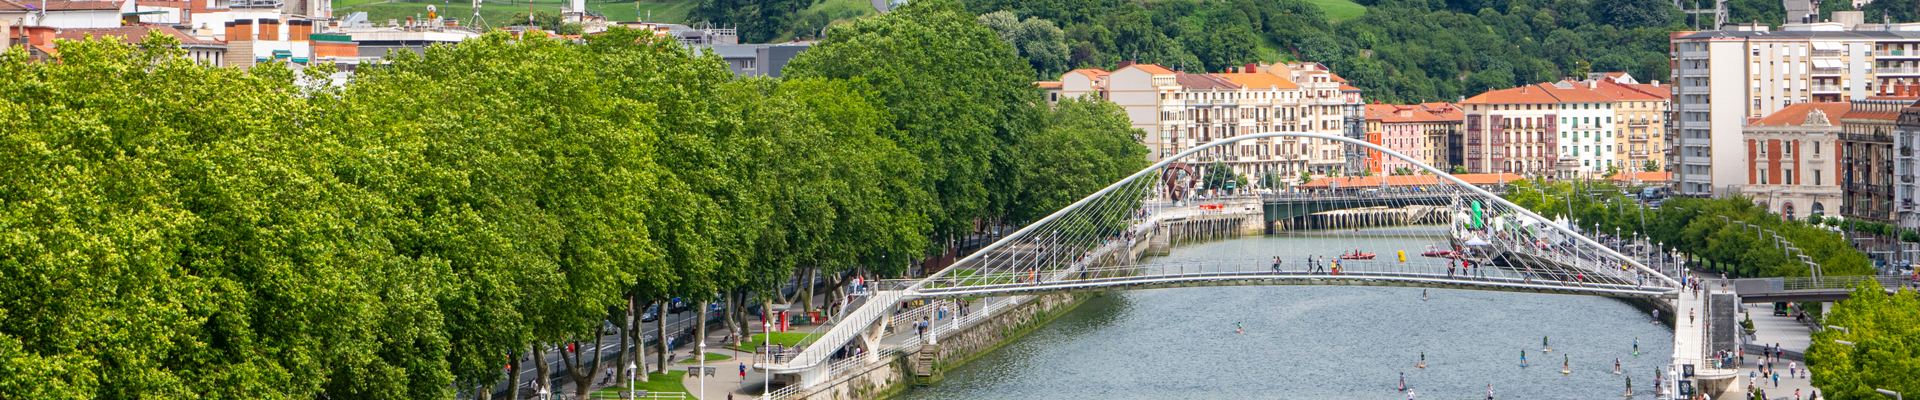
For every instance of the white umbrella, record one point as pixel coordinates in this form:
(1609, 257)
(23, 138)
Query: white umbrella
(1477, 241)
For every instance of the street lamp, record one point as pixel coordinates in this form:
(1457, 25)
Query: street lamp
(1896, 395)
(631, 368)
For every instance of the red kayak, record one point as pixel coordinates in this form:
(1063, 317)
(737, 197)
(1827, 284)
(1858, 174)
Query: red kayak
(1368, 256)
(1439, 254)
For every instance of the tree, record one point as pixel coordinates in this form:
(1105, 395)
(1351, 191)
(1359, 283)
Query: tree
(956, 105)
(1459, 169)
(1087, 144)
(1651, 166)
(1306, 177)
(1632, 12)
(1880, 327)
(1216, 177)
(1403, 171)
(1899, 11)
(1038, 40)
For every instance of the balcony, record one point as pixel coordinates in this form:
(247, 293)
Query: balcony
(1827, 71)
(1826, 53)
(1862, 137)
(1897, 71)
(1826, 88)
(1638, 153)
(1897, 54)
(1637, 137)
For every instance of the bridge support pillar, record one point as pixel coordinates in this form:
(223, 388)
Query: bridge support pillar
(816, 375)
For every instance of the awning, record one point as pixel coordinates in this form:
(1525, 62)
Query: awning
(1826, 46)
(1477, 241)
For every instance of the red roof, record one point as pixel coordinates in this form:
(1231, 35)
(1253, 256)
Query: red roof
(1155, 69)
(1643, 176)
(1519, 95)
(1094, 73)
(1204, 81)
(1047, 84)
(1796, 115)
(1394, 113)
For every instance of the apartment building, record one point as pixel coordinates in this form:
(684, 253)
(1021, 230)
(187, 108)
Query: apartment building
(1867, 158)
(1640, 110)
(1723, 79)
(1421, 131)
(1585, 132)
(1906, 139)
(1181, 110)
(1511, 131)
(1792, 160)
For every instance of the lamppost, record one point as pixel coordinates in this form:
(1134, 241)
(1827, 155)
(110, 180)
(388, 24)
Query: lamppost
(631, 369)
(1896, 395)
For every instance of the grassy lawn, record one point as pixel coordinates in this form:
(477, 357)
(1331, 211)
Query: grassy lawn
(1339, 10)
(788, 339)
(656, 383)
(711, 357)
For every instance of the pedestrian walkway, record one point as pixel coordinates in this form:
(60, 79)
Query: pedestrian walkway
(1784, 390)
(1782, 330)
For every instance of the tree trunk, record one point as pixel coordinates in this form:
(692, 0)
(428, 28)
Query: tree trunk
(700, 326)
(745, 323)
(626, 353)
(539, 367)
(806, 290)
(639, 336)
(600, 363)
(513, 391)
(577, 368)
(661, 324)
(483, 392)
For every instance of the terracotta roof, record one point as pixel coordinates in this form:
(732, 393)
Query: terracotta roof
(1337, 78)
(1409, 180)
(1204, 81)
(58, 5)
(1574, 92)
(1643, 176)
(1449, 111)
(1047, 84)
(1664, 92)
(1094, 73)
(1623, 92)
(1519, 95)
(1259, 80)
(1796, 115)
(1344, 87)
(1395, 113)
(1155, 69)
(131, 34)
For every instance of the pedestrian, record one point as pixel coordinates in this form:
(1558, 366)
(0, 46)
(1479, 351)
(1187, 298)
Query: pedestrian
(1689, 316)
(609, 377)
(743, 372)
(1776, 379)
(1793, 369)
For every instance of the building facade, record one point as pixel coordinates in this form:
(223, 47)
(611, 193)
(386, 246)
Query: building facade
(1867, 156)
(1181, 110)
(1722, 79)
(1420, 131)
(1792, 160)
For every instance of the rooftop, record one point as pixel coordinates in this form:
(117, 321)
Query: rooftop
(1259, 80)
(132, 34)
(1796, 115)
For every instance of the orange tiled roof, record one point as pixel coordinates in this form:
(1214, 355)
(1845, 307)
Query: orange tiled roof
(1623, 92)
(1518, 95)
(1155, 69)
(1643, 176)
(1796, 115)
(1577, 92)
(1047, 84)
(1204, 81)
(1259, 80)
(1094, 73)
(1344, 87)
(1394, 113)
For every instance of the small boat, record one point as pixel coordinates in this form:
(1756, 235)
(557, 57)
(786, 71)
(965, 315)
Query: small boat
(1357, 256)
(1437, 253)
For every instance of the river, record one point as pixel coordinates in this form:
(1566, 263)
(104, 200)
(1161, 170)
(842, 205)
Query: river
(1314, 342)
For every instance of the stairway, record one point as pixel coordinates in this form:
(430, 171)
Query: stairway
(923, 360)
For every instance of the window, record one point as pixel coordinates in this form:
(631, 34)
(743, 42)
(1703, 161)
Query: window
(1816, 177)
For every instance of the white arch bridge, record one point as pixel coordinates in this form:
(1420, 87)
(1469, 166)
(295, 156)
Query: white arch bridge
(1481, 242)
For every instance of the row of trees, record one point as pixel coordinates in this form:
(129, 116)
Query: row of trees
(1694, 226)
(179, 231)
(1883, 355)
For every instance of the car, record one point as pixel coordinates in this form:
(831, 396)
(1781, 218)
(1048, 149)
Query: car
(652, 314)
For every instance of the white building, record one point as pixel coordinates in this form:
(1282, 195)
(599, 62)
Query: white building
(65, 13)
(1722, 79)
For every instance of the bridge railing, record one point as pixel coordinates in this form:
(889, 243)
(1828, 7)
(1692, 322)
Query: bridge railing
(1427, 269)
(1834, 282)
